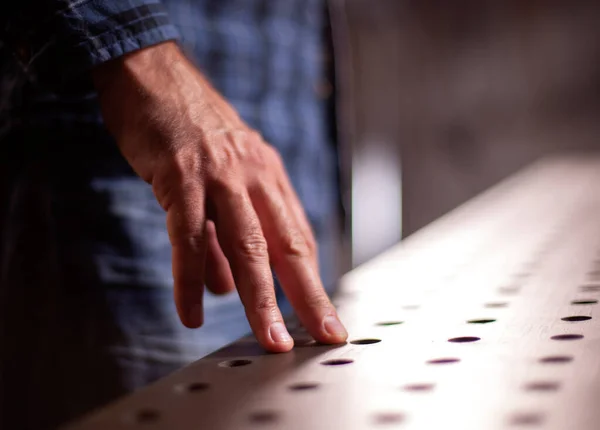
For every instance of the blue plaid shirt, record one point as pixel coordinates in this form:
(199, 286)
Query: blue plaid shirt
(264, 56)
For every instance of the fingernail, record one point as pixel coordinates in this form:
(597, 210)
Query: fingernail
(196, 315)
(279, 333)
(333, 326)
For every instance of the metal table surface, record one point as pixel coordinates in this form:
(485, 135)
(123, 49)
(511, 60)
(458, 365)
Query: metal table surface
(485, 319)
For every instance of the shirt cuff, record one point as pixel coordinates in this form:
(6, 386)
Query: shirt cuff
(91, 32)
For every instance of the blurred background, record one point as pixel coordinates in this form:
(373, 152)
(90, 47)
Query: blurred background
(438, 100)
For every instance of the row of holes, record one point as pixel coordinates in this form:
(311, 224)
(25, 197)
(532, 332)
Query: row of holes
(384, 418)
(151, 415)
(519, 418)
(531, 418)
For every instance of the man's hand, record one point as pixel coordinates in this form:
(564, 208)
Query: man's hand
(231, 209)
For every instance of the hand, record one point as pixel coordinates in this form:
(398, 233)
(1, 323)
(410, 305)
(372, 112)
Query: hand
(231, 210)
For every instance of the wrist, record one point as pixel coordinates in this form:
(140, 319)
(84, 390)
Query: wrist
(137, 67)
(133, 88)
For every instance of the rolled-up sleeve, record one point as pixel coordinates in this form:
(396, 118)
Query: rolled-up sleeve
(91, 32)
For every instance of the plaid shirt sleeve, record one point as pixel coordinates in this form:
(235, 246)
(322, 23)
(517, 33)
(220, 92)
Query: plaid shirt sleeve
(91, 32)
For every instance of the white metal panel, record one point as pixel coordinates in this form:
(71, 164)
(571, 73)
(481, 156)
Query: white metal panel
(462, 326)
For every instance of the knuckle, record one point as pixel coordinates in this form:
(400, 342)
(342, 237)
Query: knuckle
(274, 156)
(265, 303)
(317, 300)
(171, 174)
(263, 186)
(240, 142)
(184, 164)
(228, 157)
(223, 184)
(259, 151)
(165, 193)
(253, 247)
(254, 136)
(312, 246)
(179, 183)
(194, 242)
(223, 163)
(295, 245)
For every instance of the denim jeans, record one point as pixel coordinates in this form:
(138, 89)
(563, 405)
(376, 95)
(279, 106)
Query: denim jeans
(86, 309)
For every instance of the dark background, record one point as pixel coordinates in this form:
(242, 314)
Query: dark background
(463, 93)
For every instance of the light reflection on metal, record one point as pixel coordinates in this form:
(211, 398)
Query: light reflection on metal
(470, 356)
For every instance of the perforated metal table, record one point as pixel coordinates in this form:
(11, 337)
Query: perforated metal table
(486, 319)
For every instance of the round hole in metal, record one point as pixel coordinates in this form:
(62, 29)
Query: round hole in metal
(576, 318)
(526, 419)
(235, 363)
(384, 418)
(464, 339)
(590, 288)
(389, 323)
(496, 305)
(556, 359)
(481, 321)
(584, 302)
(448, 360)
(337, 362)
(508, 291)
(146, 416)
(196, 387)
(420, 387)
(304, 386)
(542, 386)
(264, 417)
(567, 337)
(365, 341)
